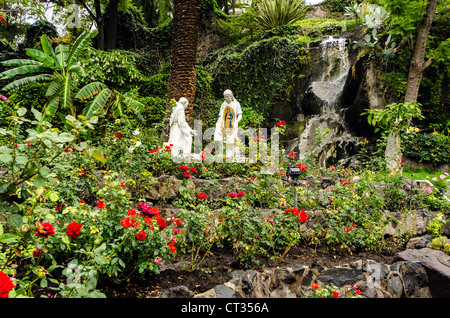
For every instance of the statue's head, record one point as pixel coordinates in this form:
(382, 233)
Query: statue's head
(183, 101)
(228, 95)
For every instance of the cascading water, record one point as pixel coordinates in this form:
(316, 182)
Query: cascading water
(327, 86)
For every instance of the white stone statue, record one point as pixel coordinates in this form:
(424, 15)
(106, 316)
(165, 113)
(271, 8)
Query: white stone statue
(227, 124)
(180, 133)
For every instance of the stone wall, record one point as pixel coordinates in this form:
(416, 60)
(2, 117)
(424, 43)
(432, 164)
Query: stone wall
(419, 273)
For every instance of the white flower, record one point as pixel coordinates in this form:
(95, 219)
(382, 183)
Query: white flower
(138, 144)
(136, 132)
(131, 149)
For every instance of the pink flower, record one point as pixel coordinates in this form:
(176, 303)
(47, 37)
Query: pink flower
(186, 175)
(158, 260)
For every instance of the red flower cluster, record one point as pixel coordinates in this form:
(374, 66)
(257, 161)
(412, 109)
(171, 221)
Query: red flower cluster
(346, 181)
(281, 123)
(155, 150)
(240, 194)
(101, 204)
(44, 229)
(2, 20)
(269, 220)
(119, 135)
(292, 155)
(302, 214)
(186, 173)
(73, 229)
(147, 210)
(6, 285)
(202, 196)
(301, 167)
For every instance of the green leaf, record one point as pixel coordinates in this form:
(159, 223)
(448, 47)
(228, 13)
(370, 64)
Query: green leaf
(38, 181)
(15, 220)
(21, 160)
(6, 158)
(101, 260)
(100, 249)
(8, 238)
(99, 157)
(21, 111)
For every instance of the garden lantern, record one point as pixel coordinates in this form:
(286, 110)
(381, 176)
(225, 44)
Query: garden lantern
(294, 172)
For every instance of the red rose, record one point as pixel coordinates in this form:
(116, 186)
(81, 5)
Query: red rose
(140, 235)
(232, 194)
(6, 285)
(240, 194)
(183, 168)
(161, 222)
(126, 222)
(73, 229)
(202, 196)
(44, 229)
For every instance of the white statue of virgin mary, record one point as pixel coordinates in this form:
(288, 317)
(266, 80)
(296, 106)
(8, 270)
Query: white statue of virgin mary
(180, 133)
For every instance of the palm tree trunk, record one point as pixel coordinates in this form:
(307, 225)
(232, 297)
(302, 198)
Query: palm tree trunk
(182, 78)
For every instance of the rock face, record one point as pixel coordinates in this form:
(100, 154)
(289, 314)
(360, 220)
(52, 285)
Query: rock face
(437, 266)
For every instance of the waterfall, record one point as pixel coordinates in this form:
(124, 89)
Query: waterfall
(332, 67)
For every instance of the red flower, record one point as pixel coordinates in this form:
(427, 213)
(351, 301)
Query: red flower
(73, 229)
(357, 291)
(193, 170)
(303, 216)
(44, 229)
(37, 252)
(161, 222)
(81, 201)
(347, 230)
(202, 196)
(119, 135)
(6, 285)
(240, 194)
(140, 235)
(176, 220)
(101, 204)
(268, 220)
(281, 123)
(183, 168)
(292, 155)
(186, 174)
(172, 247)
(126, 222)
(315, 286)
(335, 294)
(2, 20)
(175, 231)
(232, 194)
(122, 185)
